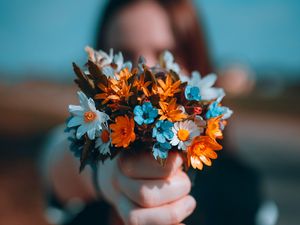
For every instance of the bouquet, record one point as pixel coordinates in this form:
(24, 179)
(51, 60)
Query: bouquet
(157, 109)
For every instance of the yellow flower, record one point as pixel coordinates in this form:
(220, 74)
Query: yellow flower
(171, 111)
(202, 150)
(166, 89)
(213, 127)
(122, 131)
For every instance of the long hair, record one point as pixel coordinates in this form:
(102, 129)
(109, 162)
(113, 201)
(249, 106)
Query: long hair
(191, 46)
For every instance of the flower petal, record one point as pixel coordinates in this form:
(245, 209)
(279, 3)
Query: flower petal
(108, 71)
(91, 133)
(81, 131)
(211, 93)
(76, 110)
(168, 134)
(83, 99)
(138, 111)
(208, 81)
(139, 120)
(160, 138)
(75, 121)
(174, 141)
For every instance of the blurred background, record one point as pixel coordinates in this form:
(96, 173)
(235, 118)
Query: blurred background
(255, 47)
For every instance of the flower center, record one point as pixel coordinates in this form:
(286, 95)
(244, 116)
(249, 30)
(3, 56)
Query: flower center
(183, 135)
(199, 148)
(89, 116)
(124, 131)
(145, 115)
(105, 136)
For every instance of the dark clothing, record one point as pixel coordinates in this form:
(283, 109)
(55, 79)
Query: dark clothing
(228, 193)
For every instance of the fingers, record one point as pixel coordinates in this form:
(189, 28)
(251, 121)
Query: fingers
(107, 180)
(146, 201)
(143, 165)
(173, 213)
(153, 193)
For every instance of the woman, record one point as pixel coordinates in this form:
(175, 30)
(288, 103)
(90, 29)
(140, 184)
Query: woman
(139, 190)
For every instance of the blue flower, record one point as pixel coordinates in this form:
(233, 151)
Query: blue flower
(163, 131)
(145, 113)
(192, 93)
(215, 110)
(160, 150)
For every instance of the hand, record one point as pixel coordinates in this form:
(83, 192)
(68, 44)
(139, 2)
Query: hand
(145, 193)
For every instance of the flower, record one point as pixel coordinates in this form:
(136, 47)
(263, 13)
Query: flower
(100, 57)
(145, 113)
(106, 91)
(163, 131)
(124, 74)
(109, 63)
(213, 128)
(114, 90)
(202, 150)
(140, 84)
(215, 109)
(116, 66)
(207, 92)
(160, 150)
(171, 111)
(167, 88)
(184, 133)
(103, 141)
(122, 131)
(119, 61)
(167, 62)
(87, 117)
(192, 93)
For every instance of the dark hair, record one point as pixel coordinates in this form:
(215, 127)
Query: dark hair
(191, 46)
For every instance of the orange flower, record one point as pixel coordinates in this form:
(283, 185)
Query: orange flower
(122, 89)
(213, 128)
(122, 131)
(116, 91)
(106, 91)
(168, 88)
(171, 111)
(140, 84)
(202, 150)
(124, 74)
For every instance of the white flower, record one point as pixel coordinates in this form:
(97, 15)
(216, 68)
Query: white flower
(100, 57)
(104, 61)
(103, 141)
(205, 84)
(86, 117)
(167, 62)
(184, 133)
(119, 61)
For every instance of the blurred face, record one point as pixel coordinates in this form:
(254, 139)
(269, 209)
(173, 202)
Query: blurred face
(142, 28)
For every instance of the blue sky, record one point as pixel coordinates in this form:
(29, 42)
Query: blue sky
(39, 34)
